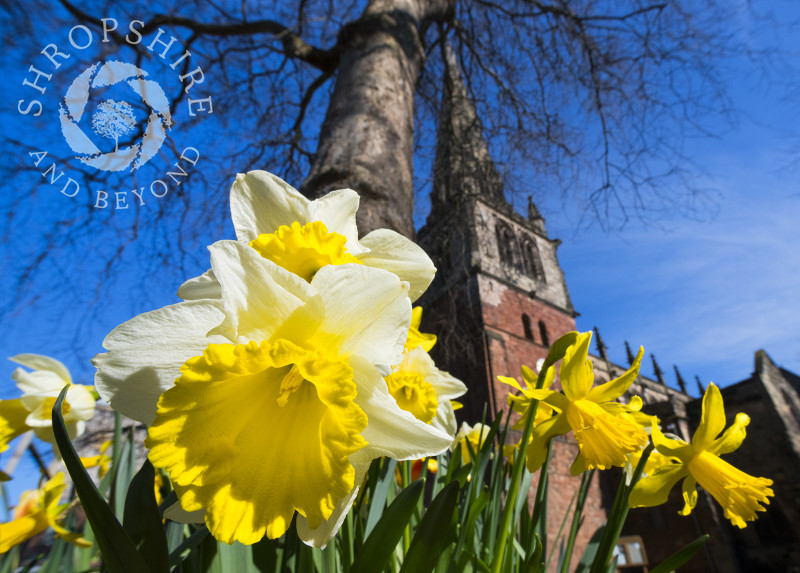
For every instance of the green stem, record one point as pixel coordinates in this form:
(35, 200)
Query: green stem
(511, 498)
(586, 480)
(616, 519)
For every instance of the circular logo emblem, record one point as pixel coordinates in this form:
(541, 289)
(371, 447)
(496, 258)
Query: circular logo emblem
(89, 129)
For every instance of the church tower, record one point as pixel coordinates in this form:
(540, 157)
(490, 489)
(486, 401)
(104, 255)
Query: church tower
(499, 298)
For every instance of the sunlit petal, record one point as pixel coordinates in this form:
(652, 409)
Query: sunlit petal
(617, 387)
(145, 355)
(654, 489)
(393, 252)
(262, 202)
(367, 312)
(576, 371)
(712, 419)
(733, 437)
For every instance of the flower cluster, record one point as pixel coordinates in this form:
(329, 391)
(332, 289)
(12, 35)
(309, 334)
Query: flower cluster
(609, 433)
(291, 364)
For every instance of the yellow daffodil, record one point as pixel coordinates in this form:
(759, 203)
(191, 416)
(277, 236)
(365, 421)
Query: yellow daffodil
(37, 510)
(424, 390)
(273, 399)
(302, 236)
(417, 338)
(40, 388)
(474, 435)
(605, 430)
(739, 494)
(101, 461)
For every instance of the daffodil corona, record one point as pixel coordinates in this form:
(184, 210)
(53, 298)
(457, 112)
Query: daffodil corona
(739, 494)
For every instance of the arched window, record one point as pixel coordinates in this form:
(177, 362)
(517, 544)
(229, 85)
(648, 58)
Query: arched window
(532, 262)
(526, 326)
(506, 244)
(543, 334)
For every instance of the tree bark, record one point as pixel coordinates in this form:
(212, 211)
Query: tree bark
(366, 140)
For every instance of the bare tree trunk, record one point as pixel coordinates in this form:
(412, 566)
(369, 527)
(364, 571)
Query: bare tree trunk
(366, 141)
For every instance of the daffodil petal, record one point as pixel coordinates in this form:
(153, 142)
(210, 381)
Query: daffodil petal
(320, 536)
(510, 381)
(12, 421)
(578, 466)
(615, 388)
(712, 419)
(19, 530)
(391, 431)
(145, 355)
(198, 288)
(654, 489)
(672, 448)
(43, 363)
(337, 210)
(576, 371)
(262, 202)
(445, 419)
(81, 403)
(37, 382)
(689, 492)
(258, 295)
(555, 400)
(733, 436)
(393, 252)
(367, 312)
(542, 434)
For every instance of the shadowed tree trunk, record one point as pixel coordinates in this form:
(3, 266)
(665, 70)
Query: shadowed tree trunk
(366, 140)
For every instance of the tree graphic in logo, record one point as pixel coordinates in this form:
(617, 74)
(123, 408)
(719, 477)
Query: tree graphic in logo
(114, 119)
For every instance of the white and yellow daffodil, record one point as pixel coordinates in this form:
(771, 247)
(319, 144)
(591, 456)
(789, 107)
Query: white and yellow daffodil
(40, 388)
(606, 431)
(424, 390)
(475, 436)
(36, 511)
(273, 396)
(303, 236)
(739, 494)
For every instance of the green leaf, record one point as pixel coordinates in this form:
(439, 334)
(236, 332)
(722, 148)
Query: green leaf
(380, 544)
(682, 556)
(535, 563)
(434, 532)
(142, 519)
(178, 554)
(119, 552)
(378, 500)
(591, 550)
